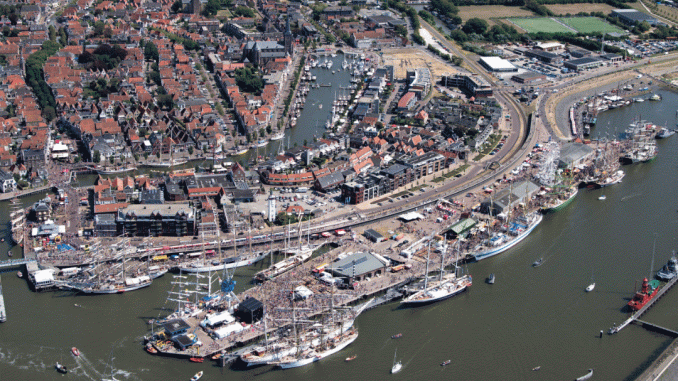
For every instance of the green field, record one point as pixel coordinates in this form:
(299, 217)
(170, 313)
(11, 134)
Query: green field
(540, 24)
(589, 25)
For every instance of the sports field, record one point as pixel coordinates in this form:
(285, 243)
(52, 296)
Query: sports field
(589, 25)
(540, 24)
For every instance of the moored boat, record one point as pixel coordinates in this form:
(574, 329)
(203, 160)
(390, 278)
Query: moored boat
(647, 291)
(670, 269)
(196, 359)
(615, 178)
(518, 231)
(313, 355)
(664, 133)
(561, 201)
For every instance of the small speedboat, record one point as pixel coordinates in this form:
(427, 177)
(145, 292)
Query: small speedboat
(490, 279)
(19, 274)
(216, 356)
(396, 367)
(61, 368)
(196, 359)
(197, 376)
(397, 336)
(590, 287)
(444, 363)
(75, 351)
(538, 262)
(602, 197)
(586, 376)
(536, 368)
(77, 305)
(351, 358)
(9, 253)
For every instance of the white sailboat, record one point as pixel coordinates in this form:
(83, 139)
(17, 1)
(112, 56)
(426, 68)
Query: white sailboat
(397, 366)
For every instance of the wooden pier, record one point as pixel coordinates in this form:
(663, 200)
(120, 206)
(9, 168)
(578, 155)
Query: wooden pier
(644, 309)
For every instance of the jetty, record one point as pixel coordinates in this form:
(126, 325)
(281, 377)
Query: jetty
(3, 314)
(635, 317)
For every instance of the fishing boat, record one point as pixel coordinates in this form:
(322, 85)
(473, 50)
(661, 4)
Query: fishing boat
(397, 366)
(351, 358)
(538, 262)
(75, 351)
(397, 336)
(647, 291)
(445, 363)
(196, 359)
(61, 368)
(197, 376)
(498, 243)
(586, 376)
(490, 279)
(590, 287)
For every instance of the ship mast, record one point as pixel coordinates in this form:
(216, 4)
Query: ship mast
(428, 253)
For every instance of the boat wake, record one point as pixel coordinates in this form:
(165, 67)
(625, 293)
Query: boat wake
(630, 196)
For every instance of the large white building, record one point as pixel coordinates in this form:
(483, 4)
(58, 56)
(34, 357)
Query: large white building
(271, 209)
(497, 64)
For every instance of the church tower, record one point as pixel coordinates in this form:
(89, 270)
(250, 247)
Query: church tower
(288, 38)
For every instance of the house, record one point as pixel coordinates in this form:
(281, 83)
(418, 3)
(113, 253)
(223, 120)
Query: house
(407, 102)
(7, 182)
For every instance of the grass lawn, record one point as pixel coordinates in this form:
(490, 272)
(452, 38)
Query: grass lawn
(489, 146)
(540, 24)
(451, 174)
(490, 13)
(590, 25)
(573, 9)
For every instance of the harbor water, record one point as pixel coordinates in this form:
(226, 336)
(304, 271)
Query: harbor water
(530, 317)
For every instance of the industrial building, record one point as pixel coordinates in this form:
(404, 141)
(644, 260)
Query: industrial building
(584, 63)
(529, 78)
(498, 65)
(632, 16)
(506, 199)
(359, 266)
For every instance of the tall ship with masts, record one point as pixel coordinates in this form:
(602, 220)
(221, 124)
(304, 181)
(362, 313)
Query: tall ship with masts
(298, 256)
(447, 286)
(17, 220)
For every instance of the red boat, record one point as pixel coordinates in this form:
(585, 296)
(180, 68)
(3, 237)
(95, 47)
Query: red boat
(196, 359)
(397, 336)
(648, 290)
(75, 351)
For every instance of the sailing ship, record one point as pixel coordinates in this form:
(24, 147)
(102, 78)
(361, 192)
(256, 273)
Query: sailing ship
(615, 178)
(516, 231)
(560, 201)
(17, 218)
(113, 170)
(446, 287)
(299, 256)
(397, 366)
(279, 136)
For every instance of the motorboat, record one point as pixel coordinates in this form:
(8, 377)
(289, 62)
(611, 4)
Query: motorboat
(670, 270)
(75, 351)
(19, 274)
(197, 376)
(490, 279)
(61, 368)
(590, 287)
(536, 368)
(586, 376)
(196, 359)
(351, 358)
(538, 262)
(445, 363)
(397, 336)
(601, 198)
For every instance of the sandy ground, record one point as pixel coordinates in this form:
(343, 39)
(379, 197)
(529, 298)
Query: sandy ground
(490, 13)
(404, 59)
(562, 9)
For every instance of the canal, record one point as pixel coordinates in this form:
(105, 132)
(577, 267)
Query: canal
(530, 317)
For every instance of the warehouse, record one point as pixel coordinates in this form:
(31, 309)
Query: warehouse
(632, 16)
(529, 78)
(497, 64)
(583, 63)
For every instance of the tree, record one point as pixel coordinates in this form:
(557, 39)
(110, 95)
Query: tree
(249, 80)
(151, 52)
(459, 36)
(177, 6)
(644, 26)
(475, 25)
(52, 33)
(211, 8)
(190, 150)
(96, 156)
(111, 159)
(243, 11)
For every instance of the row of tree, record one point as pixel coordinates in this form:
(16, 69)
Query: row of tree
(35, 78)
